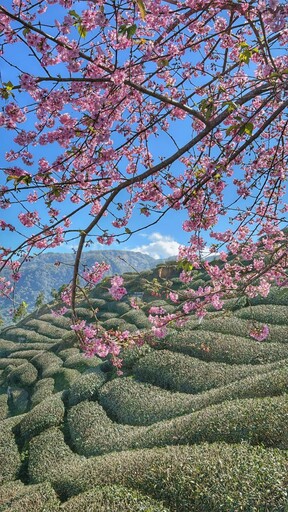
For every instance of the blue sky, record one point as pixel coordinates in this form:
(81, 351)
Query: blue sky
(160, 240)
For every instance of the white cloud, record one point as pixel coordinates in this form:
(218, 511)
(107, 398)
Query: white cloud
(159, 246)
(207, 255)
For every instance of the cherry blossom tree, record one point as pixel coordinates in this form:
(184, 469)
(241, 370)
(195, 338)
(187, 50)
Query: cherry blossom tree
(139, 108)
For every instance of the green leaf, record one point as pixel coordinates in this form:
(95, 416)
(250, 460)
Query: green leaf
(186, 265)
(74, 14)
(11, 177)
(6, 91)
(81, 30)
(245, 56)
(141, 8)
(25, 178)
(128, 30)
(231, 105)
(56, 191)
(9, 86)
(163, 63)
(131, 31)
(231, 129)
(4, 94)
(122, 29)
(248, 128)
(206, 107)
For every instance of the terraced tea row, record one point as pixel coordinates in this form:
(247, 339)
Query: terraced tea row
(198, 421)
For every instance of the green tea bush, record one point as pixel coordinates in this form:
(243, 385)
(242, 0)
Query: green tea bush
(48, 413)
(135, 285)
(57, 321)
(146, 273)
(225, 348)
(39, 498)
(69, 340)
(94, 303)
(6, 347)
(81, 363)
(105, 315)
(19, 334)
(68, 352)
(86, 387)
(138, 318)
(26, 354)
(112, 498)
(267, 313)
(191, 478)
(195, 284)
(46, 328)
(177, 372)
(276, 295)
(258, 421)
(24, 375)
(46, 363)
(5, 373)
(9, 491)
(63, 377)
(101, 436)
(9, 454)
(120, 308)
(4, 410)
(177, 283)
(9, 361)
(158, 303)
(43, 389)
(114, 323)
(131, 356)
(128, 401)
(235, 303)
(26, 347)
(18, 401)
(131, 402)
(82, 313)
(241, 327)
(100, 292)
(50, 457)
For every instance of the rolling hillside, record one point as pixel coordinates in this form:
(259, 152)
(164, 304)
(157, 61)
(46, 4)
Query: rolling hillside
(43, 274)
(197, 423)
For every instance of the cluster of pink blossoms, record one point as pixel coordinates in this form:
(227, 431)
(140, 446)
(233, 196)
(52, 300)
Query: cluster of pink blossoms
(66, 295)
(101, 343)
(260, 333)
(95, 273)
(145, 67)
(117, 289)
(29, 219)
(59, 312)
(159, 318)
(6, 287)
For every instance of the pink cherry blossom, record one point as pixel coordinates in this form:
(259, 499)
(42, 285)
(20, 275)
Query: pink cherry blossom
(120, 117)
(117, 289)
(260, 333)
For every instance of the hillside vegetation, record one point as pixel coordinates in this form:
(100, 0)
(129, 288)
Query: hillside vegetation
(46, 273)
(197, 423)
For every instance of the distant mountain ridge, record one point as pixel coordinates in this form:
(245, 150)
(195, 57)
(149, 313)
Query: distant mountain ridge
(43, 274)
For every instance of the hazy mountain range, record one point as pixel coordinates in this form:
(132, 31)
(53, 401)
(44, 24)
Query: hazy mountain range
(42, 275)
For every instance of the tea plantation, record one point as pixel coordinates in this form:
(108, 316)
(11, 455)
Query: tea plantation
(197, 423)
